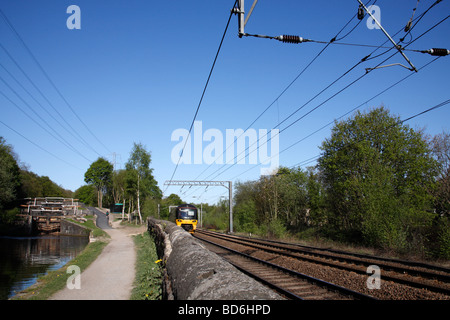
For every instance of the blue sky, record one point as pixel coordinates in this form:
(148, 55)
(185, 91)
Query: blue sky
(135, 72)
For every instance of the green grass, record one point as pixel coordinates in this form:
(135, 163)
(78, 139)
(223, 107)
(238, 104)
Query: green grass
(148, 281)
(96, 232)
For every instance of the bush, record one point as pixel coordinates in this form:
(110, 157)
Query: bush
(439, 239)
(273, 229)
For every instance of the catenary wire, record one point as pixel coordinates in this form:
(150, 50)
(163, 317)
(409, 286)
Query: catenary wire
(17, 35)
(291, 83)
(338, 118)
(38, 146)
(203, 94)
(334, 95)
(340, 91)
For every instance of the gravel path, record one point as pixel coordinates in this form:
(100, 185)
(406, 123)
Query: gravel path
(111, 275)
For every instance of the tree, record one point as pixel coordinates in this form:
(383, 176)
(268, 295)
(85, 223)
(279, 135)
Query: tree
(86, 194)
(9, 175)
(118, 188)
(139, 163)
(172, 200)
(440, 145)
(440, 244)
(245, 210)
(377, 173)
(99, 174)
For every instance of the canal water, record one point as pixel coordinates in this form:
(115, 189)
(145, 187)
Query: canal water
(24, 259)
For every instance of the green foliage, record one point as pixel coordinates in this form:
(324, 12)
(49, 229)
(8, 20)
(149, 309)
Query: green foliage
(148, 281)
(86, 194)
(444, 240)
(9, 175)
(273, 229)
(33, 186)
(291, 199)
(139, 162)
(140, 181)
(377, 174)
(378, 182)
(171, 200)
(216, 216)
(440, 146)
(99, 175)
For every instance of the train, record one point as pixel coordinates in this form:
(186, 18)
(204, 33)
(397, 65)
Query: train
(186, 216)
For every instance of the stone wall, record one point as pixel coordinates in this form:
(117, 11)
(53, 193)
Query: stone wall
(192, 272)
(69, 228)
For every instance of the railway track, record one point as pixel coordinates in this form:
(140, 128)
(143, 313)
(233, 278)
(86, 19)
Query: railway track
(401, 279)
(291, 284)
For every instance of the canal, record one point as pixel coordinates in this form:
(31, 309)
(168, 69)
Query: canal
(24, 259)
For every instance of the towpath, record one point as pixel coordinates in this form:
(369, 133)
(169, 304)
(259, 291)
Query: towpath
(111, 275)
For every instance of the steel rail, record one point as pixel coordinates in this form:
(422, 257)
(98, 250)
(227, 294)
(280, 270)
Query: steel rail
(258, 245)
(319, 282)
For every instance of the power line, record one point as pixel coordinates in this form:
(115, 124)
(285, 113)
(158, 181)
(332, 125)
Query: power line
(58, 135)
(332, 40)
(203, 93)
(314, 158)
(13, 29)
(303, 162)
(334, 95)
(38, 146)
(80, 138)
(321, 104)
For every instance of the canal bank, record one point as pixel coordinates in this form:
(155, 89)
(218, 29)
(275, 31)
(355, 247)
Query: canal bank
(55, 280)
(24, 259)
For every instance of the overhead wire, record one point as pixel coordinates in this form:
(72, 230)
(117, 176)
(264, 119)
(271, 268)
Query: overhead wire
(399, 122)
(283, 91)
(332, 40)
(55, 133)
(202, 95)
(38, 146)
(42, 107)
(338, 118)
(334, 95)
(17, 35)
(314, 158)
(74, 132)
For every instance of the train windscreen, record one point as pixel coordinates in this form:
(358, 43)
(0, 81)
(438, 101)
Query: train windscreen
(187, 213)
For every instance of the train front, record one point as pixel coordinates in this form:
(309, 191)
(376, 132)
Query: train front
(187, 217)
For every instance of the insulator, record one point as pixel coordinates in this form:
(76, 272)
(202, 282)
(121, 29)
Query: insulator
(291, 39)
(361, 12)
(439, 52)
(408, 26)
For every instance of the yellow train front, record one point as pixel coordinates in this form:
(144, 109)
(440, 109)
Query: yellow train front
(186, 216)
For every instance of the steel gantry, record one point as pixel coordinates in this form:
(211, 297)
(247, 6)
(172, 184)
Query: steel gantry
(197, 183)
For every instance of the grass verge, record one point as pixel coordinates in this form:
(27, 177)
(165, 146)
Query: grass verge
(148, 281)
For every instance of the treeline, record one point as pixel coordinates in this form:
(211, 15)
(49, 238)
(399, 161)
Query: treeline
(17, 183)
(378, 182)
(134, 186)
